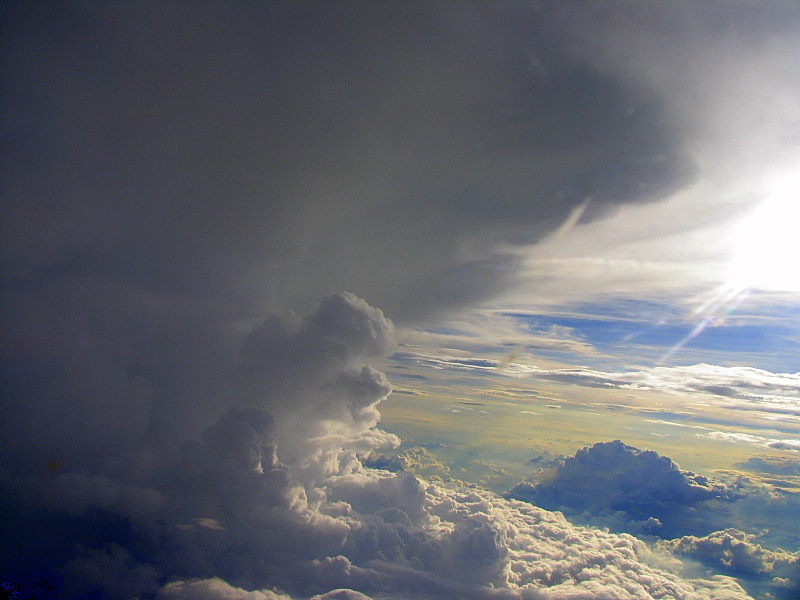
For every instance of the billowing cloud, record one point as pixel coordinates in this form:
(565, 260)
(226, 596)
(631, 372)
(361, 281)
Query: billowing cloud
(173, 172)
(190, 179)
(738, 553)
(733, 550)
(316, 522)
(309, 374)
(417, 460)
(627, 488)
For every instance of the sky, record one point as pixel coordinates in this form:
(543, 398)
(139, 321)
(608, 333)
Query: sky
(353, 300)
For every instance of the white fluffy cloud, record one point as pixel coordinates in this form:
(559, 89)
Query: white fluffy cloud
(446, 543)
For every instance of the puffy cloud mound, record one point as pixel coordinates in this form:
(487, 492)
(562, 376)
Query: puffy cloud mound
(625, 488)
(272, 498)
(469, 543)
(733, 551)
(736, 552)
(417, 460)
(309, 373)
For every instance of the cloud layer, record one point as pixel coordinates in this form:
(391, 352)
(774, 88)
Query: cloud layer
(261, 504)
(738, 553)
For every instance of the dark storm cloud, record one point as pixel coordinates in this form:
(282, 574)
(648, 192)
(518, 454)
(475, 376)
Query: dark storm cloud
(173, 171)
(284, 150)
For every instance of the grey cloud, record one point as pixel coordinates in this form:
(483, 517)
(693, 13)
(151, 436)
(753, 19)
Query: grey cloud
(112, 572)
(172, 173)
(626, 488)
(251, 153)
(74, 493)
(309, 374)
(230, 516)
(719, 390)
(402, 491)
(229, 483)
(343, 329)
(772, 464)
(785, 444)
(243, 440)
(737, 553)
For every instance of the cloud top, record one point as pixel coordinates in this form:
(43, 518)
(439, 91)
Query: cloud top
(638, 489)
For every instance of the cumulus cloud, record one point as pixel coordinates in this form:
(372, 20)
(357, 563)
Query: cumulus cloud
(417, 460)
(233, 519)
(626, 488)
(737, 553)
(187, 188)
(230, 486)
(309, 374)
(733, 550)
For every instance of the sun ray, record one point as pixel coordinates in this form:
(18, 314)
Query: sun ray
(767, 243)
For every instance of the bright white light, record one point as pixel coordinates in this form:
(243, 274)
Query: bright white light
(767, 243)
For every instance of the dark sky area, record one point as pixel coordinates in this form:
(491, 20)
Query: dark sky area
(175, 171)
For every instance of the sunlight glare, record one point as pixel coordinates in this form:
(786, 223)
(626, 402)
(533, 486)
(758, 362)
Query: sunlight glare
(767, 242)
